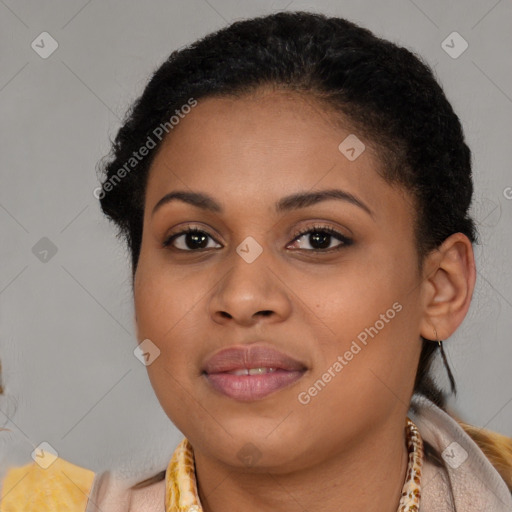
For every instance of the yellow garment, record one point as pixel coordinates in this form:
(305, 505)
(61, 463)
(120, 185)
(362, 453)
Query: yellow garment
(62, 487)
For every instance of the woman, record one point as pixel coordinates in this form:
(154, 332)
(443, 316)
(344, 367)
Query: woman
(294, 192)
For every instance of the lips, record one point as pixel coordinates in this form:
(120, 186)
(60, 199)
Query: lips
(251, 372)
(251, 356)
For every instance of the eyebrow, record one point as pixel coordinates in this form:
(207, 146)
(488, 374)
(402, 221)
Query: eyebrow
(288, 203)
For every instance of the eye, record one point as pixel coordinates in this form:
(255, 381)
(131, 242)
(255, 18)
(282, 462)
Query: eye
(321, 237)
(190, 239)
(193, 239)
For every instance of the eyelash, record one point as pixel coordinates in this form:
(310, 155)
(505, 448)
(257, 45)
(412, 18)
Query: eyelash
(345, 241)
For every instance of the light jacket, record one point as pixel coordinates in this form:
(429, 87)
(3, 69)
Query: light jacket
(476, 485)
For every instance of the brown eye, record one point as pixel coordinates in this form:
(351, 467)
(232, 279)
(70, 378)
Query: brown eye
(320, 239)
(191, 239)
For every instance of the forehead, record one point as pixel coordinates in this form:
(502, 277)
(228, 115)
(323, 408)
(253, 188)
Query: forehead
(260, 147)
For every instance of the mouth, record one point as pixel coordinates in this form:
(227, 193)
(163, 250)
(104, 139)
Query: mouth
(252, 372)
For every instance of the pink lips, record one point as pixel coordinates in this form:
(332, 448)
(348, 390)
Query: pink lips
(225, 371)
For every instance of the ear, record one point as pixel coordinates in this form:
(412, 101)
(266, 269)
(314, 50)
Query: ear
(448, 284)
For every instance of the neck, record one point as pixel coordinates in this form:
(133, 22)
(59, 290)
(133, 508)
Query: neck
(369, 476)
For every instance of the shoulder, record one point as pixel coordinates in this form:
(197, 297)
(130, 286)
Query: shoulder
(111, 493)
(149, 499)
(475, 483)
(34, 487)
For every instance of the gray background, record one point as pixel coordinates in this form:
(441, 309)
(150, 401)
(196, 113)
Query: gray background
(67, 332)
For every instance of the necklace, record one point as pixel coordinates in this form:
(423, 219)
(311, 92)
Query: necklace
(181, 486)
(411, 490)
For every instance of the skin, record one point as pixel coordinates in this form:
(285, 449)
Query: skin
(248, 153)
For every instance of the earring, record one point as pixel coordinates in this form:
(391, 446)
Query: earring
(437, 339)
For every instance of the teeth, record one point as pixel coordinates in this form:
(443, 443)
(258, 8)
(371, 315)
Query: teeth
(257, 371)
(239, 372)
(252, 371)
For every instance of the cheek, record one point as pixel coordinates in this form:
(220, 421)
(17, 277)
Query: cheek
(163, 302)
(372, 318)
(162, 307)
(351, 298)
(162, 311)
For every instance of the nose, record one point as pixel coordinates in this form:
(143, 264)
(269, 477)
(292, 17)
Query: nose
(250, 293)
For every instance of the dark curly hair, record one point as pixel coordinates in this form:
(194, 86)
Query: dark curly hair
(385, 92)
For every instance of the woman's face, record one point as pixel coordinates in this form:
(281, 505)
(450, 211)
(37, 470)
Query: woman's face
(343, 306)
